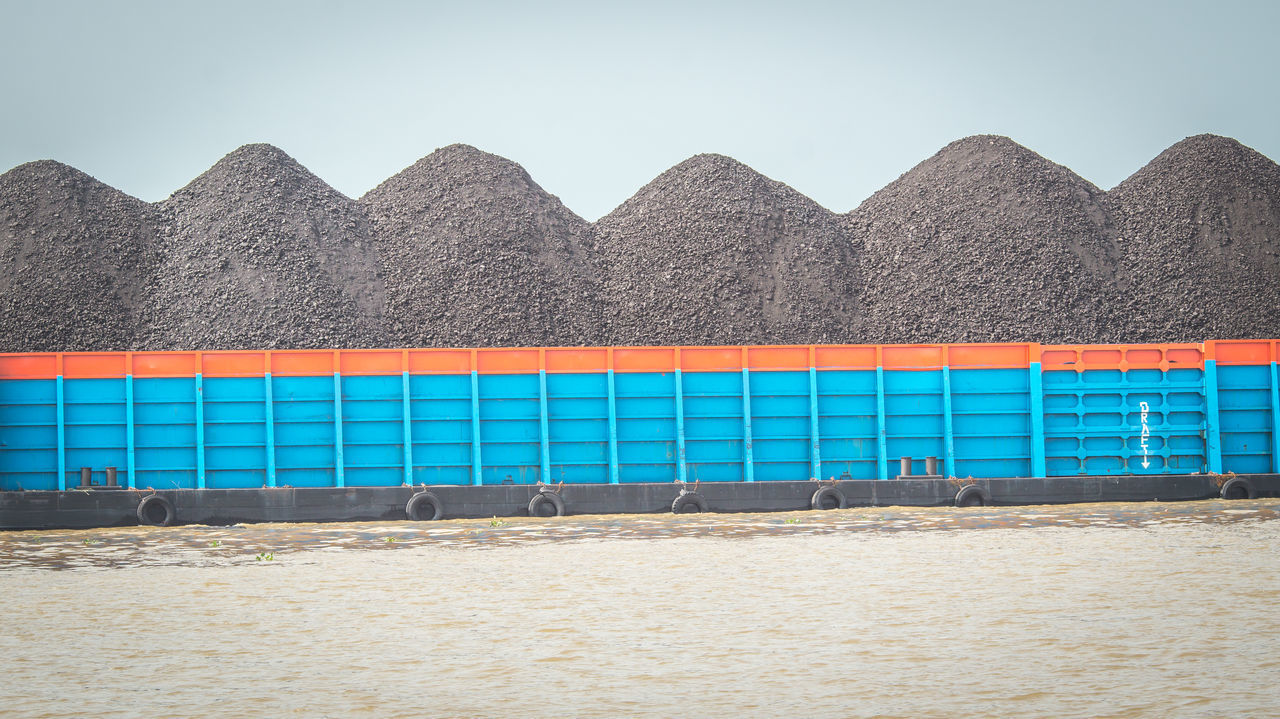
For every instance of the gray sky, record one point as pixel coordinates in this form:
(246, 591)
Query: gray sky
(596, 98)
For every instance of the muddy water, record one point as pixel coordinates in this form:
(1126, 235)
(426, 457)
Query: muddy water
(1086, 610)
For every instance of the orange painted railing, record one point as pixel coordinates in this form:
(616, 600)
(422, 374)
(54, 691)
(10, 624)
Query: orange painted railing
(524, 360)
(1243, 352)
(1121, 357)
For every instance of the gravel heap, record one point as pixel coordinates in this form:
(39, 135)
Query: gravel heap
(1199, 231)
(74, 254)
(986, 241)
(258, 253)
(712, 252)
(474, 253)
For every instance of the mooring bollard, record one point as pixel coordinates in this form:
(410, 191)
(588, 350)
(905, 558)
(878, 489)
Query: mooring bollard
(906, 467)
(930, 465)
(111, 476)
(86, 475)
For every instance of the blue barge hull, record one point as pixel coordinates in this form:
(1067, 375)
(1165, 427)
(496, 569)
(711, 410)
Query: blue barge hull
(260, 435)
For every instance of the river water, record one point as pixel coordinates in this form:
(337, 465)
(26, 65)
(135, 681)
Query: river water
(1163, 610)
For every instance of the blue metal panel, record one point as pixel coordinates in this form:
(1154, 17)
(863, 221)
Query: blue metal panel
(544, 427)
(28, 434)
(881, 440)
(269, 414)
(991, 422)
(579, 439)
(305, 430)
(476, 465)
(1037, 421)
(1275, 418)
(614, 470)
(645, 407)
(1245, 411)
(164, 432)
(747, 463)
(1143, 421)
(128, 432)
(815, 437)
(913, 405)
(372, 430)
(441, 414)
(407, 427)
(510, 428)
(713, 428)
(199, 400)
(339, 478)
(62, 436)
(682, 471)
(1213, 437)
(94, 422)
(948, 426)
(781, 425)
(235, 438)
(848, 424)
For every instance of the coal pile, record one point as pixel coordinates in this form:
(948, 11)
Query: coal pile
(258, 253)
(1199, 230)
(74, 255)
(986, 241)
(474, 253)
(712, 252)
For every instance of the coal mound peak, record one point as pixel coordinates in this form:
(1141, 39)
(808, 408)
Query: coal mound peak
(986, 241)
(259, 253)
(712, 252)
(74, 255)
(475, 253)
(1201, 222)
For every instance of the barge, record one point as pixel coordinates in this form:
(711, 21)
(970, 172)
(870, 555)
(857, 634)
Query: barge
(93, 439)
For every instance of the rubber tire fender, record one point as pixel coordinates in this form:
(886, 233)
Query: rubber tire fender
(147, 506)
(542, 498)
(416, 507)
(973, 496)
(1235, 485)
(825, 493)
(686, 500)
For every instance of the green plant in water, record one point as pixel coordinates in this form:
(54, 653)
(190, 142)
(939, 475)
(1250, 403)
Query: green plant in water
(92, 541)
(792, 520)
(495, 522)
(215, 543)
(389, 540)
(266, 556)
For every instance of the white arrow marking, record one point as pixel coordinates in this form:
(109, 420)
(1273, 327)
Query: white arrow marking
(1146, 433)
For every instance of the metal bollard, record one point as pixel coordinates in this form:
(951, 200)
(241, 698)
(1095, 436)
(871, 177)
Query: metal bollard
(86, 475)
(906, 467)
(111, 476)
(930, 465)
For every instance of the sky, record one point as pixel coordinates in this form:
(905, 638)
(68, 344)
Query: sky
(595, 99)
